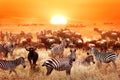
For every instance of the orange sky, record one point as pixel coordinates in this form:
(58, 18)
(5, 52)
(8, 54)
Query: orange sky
(74, 10)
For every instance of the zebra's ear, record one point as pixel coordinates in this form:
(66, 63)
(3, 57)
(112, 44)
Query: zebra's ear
(87, 53)
(70, 50)
(75, 50)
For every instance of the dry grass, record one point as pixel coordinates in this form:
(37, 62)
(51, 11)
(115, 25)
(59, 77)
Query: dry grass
(79, 72)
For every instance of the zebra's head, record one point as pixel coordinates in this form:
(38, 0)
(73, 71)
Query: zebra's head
(64, 43)
(21, 61)
(72, 56)
(10, 46)
(92, 50)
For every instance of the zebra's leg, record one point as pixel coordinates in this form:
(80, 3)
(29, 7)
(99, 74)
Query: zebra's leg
(49, 70)
(115, 66)
(99, 64)
(10, 71)
(54, 55)
(13, 71)
(93, 60)
(2, 56)
(68, 71)
(107, 65)
(11, 53)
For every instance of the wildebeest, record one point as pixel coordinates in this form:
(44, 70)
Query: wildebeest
(111, 35)
(32, 56)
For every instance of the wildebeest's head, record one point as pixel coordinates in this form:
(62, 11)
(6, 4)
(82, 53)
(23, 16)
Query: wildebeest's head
(31, 48)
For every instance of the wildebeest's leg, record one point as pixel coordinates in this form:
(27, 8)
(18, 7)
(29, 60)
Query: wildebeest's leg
(35, 60)
(49, 70)
(29, 59)
(34, 63)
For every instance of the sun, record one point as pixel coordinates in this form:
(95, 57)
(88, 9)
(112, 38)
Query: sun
(58, 20)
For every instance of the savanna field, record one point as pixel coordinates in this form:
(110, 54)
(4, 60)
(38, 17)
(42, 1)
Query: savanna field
(78, 72)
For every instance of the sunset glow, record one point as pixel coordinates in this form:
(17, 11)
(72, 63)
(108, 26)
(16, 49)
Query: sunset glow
(76, 10)
(58, 20)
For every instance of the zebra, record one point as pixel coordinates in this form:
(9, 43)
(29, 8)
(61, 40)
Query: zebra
(104, 57)
(58, 50)
(60, 64)
(12, 64)
(7, 48)
(88, 60)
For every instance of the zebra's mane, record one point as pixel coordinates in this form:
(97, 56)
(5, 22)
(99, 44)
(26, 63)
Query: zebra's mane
(96, 51)
(18, 60)
(102, 53)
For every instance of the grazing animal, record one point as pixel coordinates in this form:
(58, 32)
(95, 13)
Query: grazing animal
(88, 60)
(60, 64)
(111, 35)
(58, 49)
(12, 64)
(7, 48)
(32, 56)
(104, 57)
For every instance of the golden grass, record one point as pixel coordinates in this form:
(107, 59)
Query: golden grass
(78, 72)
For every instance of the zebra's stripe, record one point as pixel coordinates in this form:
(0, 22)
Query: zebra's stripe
(105, 57)
(11, 64)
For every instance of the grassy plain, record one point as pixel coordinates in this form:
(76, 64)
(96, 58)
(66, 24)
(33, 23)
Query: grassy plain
(79, 71)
